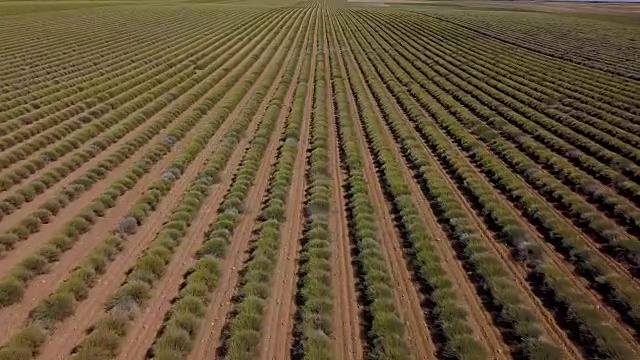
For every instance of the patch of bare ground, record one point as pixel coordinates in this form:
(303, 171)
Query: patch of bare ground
(480, 319)
(45, 284)
(407, 298)
(278, 337)
(209, 336)
(346, 320)
(141, 337)
(72, 330)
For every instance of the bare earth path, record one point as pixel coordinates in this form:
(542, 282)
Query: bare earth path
(346, 319)
(45, 284)
(480, 319)
(278, 324)
(407, 298)
(71, 332)
(209, 336)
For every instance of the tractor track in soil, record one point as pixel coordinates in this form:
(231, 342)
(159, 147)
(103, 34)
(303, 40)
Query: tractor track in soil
(72, 329)
(140, 340)
(346, 319)
(277, 341)
(408, 300)
(208, 339)
(480, 319)
(45, 284)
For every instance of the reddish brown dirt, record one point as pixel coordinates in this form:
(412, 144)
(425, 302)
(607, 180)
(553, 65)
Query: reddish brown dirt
(59, 271)
(85, 167)
(346, 320)
(36, 240)
(580, 283)
(43, 285)
(47, 283)
(278, 325)
(209, 337)
(519, 271)
(91, 309)
(82, 169)
(140, 338)
(28, 208)
(408, 300)
(28, 246)
(480, 320)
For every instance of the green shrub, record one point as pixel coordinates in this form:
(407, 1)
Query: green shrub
(11, 291)
(243, 344)
(151, 263)
(214, 247)
(186, 321)
(98, 345)
(55, 308)
(167, 354)
(50, 252)
(79, 224)
(35, 264)
(52, 205)
(44, 215)
(15, 352)
(21, 231)
(98, 263)
(62, 242)
(174, 338)
(89, 217)
(15, 199)
(98, 208)
(129, 297)
(192, 305)
(26, 342)
(32, 223)
(8, 240)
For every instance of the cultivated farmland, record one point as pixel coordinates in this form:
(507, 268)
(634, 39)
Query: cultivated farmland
(317, 180)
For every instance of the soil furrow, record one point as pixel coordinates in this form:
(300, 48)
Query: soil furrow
(43, 285)
(277, 341)
(209, 339)
(579, 282)
(10, 219)
(26, 247)
(90, 309)
(346, 319)
(519, 271)
(479, 319)
(566, 219)
(141, 337)
(407, 298)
